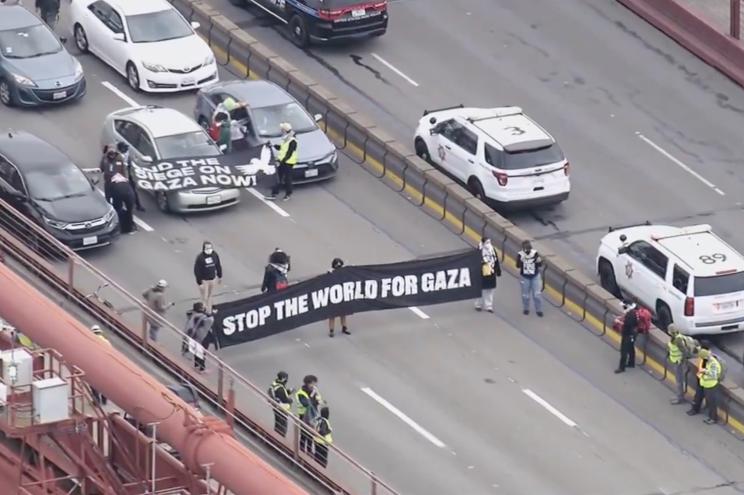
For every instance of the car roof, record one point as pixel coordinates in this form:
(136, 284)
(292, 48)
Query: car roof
(257, 94)
(690, 245)
(135, 7)
(16, 16)
(159, 121)
(509, 127)
(29, 152)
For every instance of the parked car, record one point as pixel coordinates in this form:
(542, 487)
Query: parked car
(687, 276)
(501, 155)
(147, 41)
(35, 69)
(45, 185)
(155, 133)
(267, 106)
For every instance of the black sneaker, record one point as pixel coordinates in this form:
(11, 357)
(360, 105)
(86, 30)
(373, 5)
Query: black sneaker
(346, 331)
(330, 333)
(286, 198)
(525, 311)
(270, 197)
(540, 314)
(619, 371)
(692, 412)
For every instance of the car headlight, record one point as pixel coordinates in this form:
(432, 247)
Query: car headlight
(330, 157)
(209, 60)
(78, 71)
(55, 224)
(110, 215)
(154, 67)
(23, 80)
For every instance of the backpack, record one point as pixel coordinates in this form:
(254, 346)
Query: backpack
(214, 131)
(644, 320)
(724, 368)
(689, 346)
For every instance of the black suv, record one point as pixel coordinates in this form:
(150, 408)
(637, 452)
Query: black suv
(42, 183)
(321, 21)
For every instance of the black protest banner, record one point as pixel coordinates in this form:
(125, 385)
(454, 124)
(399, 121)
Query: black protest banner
(351, 289)
(235, 170)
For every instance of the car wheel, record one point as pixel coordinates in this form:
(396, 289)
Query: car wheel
(81, 40)
(607, 278)
(422, 150)
(663, 316)
(298, 30)
(6, 96)
(476, 189)
(133, 77)
(162, 199)
(203, 122)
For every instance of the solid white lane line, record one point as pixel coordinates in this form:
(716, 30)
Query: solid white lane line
(120, 94)
(394, 69)
(680, 164)
(397, 412)
(268, 203)
(552, 410)
(137, 220)
(419, 313)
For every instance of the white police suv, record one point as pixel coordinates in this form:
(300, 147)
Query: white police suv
(501, 155)
(688, 275)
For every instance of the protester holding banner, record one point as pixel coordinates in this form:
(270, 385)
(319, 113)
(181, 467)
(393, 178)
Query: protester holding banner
(490, 269)
(287, 158)
(208, 273)
(275, 273)
(335, 265)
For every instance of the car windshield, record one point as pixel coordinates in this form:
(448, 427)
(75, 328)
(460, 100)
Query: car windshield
(157, 26)
(65, 181)
(185, 145)
(720, 284)
(532, 158)
(267, 119)
(28, 42)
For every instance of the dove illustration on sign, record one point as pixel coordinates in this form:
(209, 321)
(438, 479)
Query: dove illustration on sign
(260, 164)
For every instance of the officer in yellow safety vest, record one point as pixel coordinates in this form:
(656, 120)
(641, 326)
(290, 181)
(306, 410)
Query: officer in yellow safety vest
(98, 396)
(283, 396)
(708, 381)
(308, 403)
(324, 437)
(680, 348)
(287, 157)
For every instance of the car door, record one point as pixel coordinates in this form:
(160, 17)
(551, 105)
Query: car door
(443, 146)
(643, 270)
(451, 151)
(118, 48)
(466, 151)
(103, 24)
(140, 145)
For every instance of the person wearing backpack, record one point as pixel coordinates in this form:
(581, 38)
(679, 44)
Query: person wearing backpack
(709, 376)
(680, 348)
(275, 273)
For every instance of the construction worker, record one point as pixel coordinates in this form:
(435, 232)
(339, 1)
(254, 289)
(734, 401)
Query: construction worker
(324, 437)
(283, 396)
(308, 402)
(680, 348)
(98, 396)
(708, 385)
(287, 157)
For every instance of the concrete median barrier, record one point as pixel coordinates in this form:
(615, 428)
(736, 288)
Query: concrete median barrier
(394, 163)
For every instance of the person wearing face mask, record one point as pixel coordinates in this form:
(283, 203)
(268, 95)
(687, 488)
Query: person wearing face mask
(275, 273)
(490, 269)
(529, 264)
(208, 273)
(287, 158)
(108, 168)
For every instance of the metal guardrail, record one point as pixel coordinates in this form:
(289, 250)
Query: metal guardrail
(28, 248)
(440, 196)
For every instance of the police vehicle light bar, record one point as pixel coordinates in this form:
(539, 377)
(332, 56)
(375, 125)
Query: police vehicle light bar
(427, 112)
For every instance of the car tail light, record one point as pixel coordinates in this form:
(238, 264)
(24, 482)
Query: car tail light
(330, 15)
(566, 169)
(379, 5)
(501, 177)
(690, 306)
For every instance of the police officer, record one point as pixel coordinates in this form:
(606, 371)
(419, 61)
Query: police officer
(308, 402)
(122, 199)
(283, 396)
(287, 158)
(627, 341)
(680, 348)
(708, 386)
(324, 437)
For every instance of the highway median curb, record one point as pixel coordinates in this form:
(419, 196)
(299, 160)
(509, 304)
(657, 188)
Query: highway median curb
(567, 287)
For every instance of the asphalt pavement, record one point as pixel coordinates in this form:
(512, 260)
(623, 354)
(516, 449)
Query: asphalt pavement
(444, 401)
(652, 133)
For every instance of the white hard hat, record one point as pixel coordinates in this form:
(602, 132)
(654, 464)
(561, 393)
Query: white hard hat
(162, 283)
(95, 329)
(285, 127)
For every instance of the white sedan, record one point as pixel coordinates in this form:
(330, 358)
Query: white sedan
(148, 41)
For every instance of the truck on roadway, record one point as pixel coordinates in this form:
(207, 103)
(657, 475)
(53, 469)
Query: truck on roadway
(320, 21)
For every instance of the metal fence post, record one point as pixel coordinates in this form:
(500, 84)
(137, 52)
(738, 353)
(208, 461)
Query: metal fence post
(71, 272)
(231, 404)
(735, 18)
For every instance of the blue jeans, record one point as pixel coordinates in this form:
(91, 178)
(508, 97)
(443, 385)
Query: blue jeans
(531, 287)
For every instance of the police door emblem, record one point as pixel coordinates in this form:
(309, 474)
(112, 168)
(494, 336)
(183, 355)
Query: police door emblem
(629, 269)
(441, 153)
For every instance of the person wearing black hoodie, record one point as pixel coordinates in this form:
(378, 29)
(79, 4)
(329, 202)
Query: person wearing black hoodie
(208, 273)
(335, 265)
(275, 273)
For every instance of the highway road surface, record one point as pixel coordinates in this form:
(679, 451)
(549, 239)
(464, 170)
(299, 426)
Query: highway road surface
(652, 133)
(436, 401)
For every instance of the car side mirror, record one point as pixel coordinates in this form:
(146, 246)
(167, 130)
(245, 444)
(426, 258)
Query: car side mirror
(118, 36)
(622, 250)
(318, 117)
(195, 25)
(147, 158)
